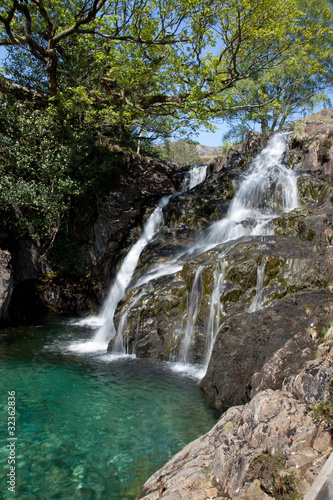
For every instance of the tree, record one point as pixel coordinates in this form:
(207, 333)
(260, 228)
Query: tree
(35, 184)
(129, 70)
(144, 63)
(270, 100)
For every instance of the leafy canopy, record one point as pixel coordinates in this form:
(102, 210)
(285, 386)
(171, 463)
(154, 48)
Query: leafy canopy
(137, 70)
(154, 65)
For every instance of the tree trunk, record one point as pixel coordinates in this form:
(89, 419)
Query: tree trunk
(52, 63)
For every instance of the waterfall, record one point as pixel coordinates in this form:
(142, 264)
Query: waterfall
(119, 344)
(265, 191)
(257, 301)
(215, 313)
(193, 307)
(194, 176)
(122, 280)
(268, 189)
(124, 276)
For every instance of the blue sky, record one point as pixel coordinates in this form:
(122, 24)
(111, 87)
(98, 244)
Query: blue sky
(212, 139)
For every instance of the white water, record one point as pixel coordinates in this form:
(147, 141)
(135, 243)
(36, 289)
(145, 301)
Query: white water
(191, 316)
(257, 301)
(215, 315)
(104, 321)
(196, 175)
(267, 190)
(119, 343)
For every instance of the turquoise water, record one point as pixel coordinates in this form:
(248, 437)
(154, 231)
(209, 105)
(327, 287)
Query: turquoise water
(89, 427)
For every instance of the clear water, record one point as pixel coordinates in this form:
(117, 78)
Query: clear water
(90, 426)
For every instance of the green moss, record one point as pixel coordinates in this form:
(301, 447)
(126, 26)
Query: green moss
(323, 411)
(229, 426)
(172, 346)
(187, 274)
(244, 274)
(207, 278)
(276, 480)
(272, 269)
(232, 296)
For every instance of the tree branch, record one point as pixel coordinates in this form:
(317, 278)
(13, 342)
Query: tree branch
(22, 93)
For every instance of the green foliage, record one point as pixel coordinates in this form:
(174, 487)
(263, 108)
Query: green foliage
(144, 65)
(35, 183)
(324, 411)
(228, 145)
(276, 480)
(49, 165)
(270, 99)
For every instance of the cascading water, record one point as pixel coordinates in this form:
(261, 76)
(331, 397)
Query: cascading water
(123, 278)
(194, 176)
(119, 344)
(191, 317)
(266, 190)
(257, 301)
(107, 330)
(269, 188)
(215, 314)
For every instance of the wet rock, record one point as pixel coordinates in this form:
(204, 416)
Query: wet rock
(246, 342)
(69, 296)
(142, 182)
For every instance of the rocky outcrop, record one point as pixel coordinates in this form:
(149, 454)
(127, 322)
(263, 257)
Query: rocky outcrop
(266, 329)
(312, 143)
(296, 262)
(22, 304)
(142, 181)
(272, 447)
(6, 283)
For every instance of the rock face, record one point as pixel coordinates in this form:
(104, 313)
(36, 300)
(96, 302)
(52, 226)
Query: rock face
(142, 182)
(6, 283)
(270, 448)
(36, 288)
